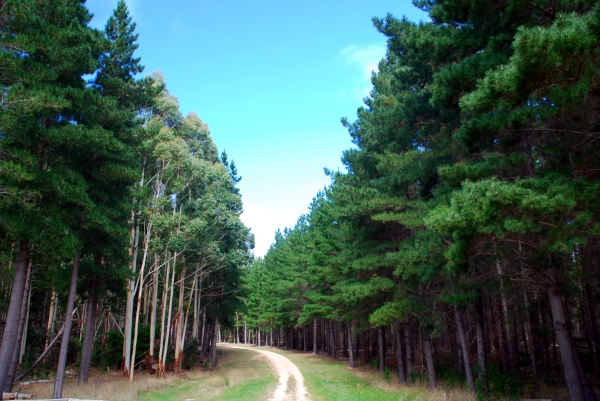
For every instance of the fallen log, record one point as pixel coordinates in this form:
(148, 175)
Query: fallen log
(16, 396)
(30, 382)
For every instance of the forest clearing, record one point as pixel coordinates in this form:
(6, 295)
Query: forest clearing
(457, 257)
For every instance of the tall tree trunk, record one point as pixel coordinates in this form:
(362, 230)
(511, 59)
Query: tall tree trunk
(409, 353)
(187, 314)
(161, 362)
(380, 336)
(465, 348)
(140, 291)
(481, 354)
(88, 340)
(14, 362)
(508, 328)
(166, 346)
(44, 353)
(565, 342)
(332, 340)
(351, 345)
(206, 340)
(204, 328)
(428, 350)
(305, 338)
(179, 325)
(27, 309)
(153, 312)
(315, 336)
(366, 344)
(213, 349)
(459, 351)
(530, 343)
(196, 322)
(64, 343)
(13, 315)
(52, 313)
(135, 237)
(400, 352)
(594, 320)
(236, 336)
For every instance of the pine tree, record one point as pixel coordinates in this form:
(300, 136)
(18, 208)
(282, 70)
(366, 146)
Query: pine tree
(115, 168)
(56, 49)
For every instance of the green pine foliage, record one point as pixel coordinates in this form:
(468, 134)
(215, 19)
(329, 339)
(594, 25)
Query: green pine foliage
(473, 186)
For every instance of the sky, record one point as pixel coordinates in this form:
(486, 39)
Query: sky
(272, 79)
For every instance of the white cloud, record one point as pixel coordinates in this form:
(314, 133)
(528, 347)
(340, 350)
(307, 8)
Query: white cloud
(264, 222)
(365, 60)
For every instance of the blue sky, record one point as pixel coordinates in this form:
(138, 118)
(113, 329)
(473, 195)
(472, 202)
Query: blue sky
(272, 79)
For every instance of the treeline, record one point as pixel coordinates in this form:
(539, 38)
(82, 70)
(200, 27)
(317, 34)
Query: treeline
(463, 236)
(120, 236)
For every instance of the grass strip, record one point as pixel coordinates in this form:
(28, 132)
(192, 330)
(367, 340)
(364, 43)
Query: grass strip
(241, 375)
(332, 380)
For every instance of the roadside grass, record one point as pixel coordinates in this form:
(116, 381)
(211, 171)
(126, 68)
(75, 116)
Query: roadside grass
(241, 375)
(329, 379)
(101, 386)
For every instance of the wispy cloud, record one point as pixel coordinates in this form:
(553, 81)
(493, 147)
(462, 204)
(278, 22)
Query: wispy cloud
(365, 60)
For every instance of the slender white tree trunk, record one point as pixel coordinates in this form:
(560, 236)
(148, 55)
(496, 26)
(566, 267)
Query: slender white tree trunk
(140, 290)
(196, 322)
(203, 328)
(135, 237)
(179, 325)
(161, 361)
(52, 313)
(166, 346)
(153, 313)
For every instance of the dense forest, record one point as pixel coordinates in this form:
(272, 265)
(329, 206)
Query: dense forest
(462, 242)
(119, 220)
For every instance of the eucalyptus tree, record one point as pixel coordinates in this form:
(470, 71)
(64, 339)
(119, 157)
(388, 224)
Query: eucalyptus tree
(189, 214)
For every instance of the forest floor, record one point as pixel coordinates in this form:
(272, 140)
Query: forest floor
(247, 373)
(241, 375)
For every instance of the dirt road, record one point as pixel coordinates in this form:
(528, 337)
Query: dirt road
(287, 390)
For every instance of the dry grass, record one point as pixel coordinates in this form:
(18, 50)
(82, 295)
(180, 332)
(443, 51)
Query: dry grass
(111, 386)
(197, 384)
